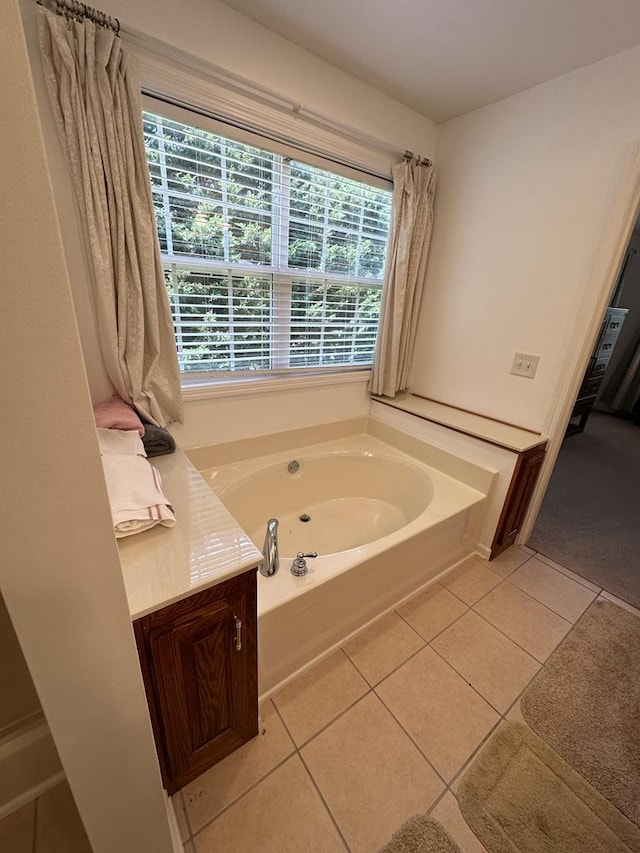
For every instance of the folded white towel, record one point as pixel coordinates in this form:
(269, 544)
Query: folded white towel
(135, 494)
(126, 442)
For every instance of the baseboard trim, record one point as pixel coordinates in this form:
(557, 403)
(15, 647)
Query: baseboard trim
(483, 550)
(31, 794)
(29, 765)
(176, 837)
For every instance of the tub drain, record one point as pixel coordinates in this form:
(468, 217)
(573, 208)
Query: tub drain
(305, 517)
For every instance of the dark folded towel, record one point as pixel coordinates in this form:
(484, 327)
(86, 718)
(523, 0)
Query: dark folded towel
(157, 441)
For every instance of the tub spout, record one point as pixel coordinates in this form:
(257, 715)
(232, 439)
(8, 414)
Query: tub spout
(270, 549)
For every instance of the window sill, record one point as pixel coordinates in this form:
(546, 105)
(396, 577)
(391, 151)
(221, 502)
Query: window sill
(206, 389)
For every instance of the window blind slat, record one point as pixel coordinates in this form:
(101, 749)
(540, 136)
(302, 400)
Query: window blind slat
(269, 262)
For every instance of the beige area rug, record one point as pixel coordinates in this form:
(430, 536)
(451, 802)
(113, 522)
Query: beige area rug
(420, 834)
(585, 703)
(519, 796)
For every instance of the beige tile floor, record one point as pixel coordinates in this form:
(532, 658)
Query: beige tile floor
(380, 730)
(385, 726)
(50, 824)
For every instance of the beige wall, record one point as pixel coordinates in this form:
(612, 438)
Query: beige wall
(59, 571)
(214, 32)
(526, 189)
(18, 698)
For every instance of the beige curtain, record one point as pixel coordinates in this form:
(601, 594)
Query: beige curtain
(414, 185)
(95, 95)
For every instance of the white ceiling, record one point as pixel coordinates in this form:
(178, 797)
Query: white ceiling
(446, 57)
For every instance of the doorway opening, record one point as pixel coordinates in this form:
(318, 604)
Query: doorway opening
(589, 520)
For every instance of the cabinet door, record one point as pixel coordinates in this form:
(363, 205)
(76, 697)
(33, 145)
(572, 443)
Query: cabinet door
(201, 661)
(518, 498)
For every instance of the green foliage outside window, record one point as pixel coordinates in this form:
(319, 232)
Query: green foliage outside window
(223, 207)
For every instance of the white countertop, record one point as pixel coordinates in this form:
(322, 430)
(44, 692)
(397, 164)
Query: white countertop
(496, 432)
(163, 565)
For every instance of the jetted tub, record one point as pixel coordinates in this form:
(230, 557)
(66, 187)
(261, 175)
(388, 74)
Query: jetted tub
(383, 524)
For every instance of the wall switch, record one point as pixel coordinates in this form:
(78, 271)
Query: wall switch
(525, 364)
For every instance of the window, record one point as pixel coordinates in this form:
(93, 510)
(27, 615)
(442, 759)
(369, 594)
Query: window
(270, 264)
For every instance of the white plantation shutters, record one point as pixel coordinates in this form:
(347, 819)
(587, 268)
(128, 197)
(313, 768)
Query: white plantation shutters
(270, 264)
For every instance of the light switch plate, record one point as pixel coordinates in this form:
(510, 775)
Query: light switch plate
(525, 364)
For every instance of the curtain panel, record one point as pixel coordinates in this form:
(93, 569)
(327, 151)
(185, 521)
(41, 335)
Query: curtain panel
(94, 92)
(414, 185)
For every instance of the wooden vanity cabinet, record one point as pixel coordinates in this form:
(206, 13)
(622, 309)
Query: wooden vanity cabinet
(199, 665)
(521, 488)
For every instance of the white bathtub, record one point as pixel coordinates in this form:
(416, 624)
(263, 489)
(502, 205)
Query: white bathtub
(383, 524)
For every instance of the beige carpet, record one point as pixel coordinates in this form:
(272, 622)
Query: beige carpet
(420, 834)
(519, 796)
(585, 703)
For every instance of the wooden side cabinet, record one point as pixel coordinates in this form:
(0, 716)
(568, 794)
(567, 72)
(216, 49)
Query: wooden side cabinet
(525, 477)
(199, 665)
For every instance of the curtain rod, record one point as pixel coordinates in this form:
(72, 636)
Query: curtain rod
(231, 80)
(417, 159)
(273, 137)
(73, 10)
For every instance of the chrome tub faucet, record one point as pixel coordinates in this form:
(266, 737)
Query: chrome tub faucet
(270, 549)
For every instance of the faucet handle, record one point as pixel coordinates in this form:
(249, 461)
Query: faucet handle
(299, 565)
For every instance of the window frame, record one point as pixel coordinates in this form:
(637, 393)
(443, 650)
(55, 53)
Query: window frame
(201, 384)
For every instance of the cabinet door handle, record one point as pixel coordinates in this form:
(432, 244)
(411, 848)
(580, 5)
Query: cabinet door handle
(238, 637)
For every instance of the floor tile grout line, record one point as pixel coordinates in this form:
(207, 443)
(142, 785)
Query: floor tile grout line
(186, 814)
(298, 751)
(329, 722)
(467, 682)
(574, 576)
(324, 803)
(506, 579)
(515, 642)
(473, 755)
(484, 594)
(548, 606)
(282, 720)
(399, 666)
(521, 694)
(491, 563)
(373, 686)
(473, 607)
(356, 667)
(412, 739)
(438, 799)
(454, 594)
(482, 597)
(446, 627)
(246, 791)
(295, 750)
(504, 718)
(449, 785)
